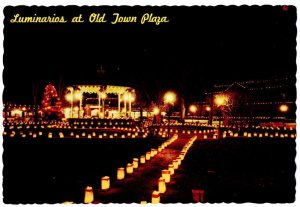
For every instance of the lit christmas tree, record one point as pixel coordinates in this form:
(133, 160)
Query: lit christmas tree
(51, 104)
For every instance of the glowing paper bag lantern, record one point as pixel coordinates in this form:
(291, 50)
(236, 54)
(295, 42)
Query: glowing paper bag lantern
(120, 173)
(142, 159)
(175, 164)
(152, 152)
(178, 161)
(135, 162)
(105, 183)
(161, 185)
(166, 175)
(143, 202)
(129, 168)
(171, 169)
(155, 197)
(148, 155)
(88, 195)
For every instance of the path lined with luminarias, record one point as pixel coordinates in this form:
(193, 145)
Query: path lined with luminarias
(140, 185)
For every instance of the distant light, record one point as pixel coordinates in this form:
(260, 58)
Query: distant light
(221, 100)
(283, 108)
(156, 110)
(170, 97)
(193, 108)
(208, 108)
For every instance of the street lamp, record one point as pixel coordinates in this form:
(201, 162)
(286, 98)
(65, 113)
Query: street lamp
(283, 108)
(193, 110)
(169, 99)
(221, 100)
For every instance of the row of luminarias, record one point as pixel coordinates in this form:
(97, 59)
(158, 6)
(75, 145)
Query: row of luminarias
(259, 135)
(123, 122)
(167, 173)
(225, 134)
(163, 133)
(82, 135)
(130, 167)
(65, 125)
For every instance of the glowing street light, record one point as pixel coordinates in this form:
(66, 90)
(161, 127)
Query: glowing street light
(207, 108)
(169, 99)
(193, 109)
(283, 108)
(221, 100)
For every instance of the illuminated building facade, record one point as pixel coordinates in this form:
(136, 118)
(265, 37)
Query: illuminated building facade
(102, 101)
(256, 100)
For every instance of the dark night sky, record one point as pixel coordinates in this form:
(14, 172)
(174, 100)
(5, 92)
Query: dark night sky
(199, 47)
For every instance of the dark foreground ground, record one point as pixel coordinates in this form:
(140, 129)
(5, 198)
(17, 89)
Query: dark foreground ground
(237, 170)
(57, 170)
(228, 170)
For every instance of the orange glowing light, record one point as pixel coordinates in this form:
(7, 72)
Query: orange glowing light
(156, 110)
(170, 97)
(221, 100)
(193, 108)
(283, 108)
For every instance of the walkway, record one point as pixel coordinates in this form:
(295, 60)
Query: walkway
(139, 186)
